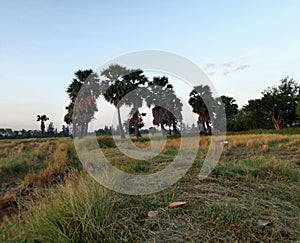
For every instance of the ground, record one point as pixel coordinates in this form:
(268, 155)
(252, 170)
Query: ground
(253, 194)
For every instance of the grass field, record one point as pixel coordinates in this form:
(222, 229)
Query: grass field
(253, 194)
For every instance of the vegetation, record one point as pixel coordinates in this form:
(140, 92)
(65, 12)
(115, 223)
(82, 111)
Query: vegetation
(83, 93)
(256, 180)
(276, 108)
(210, 109)
(252, 194)
(115, 89)
(51, 132)
(120, 86)
(201, 100)
(167, 107)
(42, 119)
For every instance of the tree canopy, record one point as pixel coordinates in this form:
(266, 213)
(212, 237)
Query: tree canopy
(42, 119)
(118, 82)
(277, 106)
(83, 93)
(167, 106)
(200, 99)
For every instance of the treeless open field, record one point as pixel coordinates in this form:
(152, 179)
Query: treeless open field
(253, 194)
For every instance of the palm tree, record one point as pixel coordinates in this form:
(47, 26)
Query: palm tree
(136, 82)
(83, 93)
(116, 87)
(136, 121)
(161, 92)
(197, 97)
(42, 119)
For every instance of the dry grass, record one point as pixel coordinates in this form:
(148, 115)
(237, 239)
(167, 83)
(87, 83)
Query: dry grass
(257, 178)
(30, 169)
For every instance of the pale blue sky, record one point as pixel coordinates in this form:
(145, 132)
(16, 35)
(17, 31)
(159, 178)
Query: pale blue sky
(251, 44)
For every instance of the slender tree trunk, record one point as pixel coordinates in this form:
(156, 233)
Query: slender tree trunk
(208, 132)
(82, 130)
(74, 130)
(86, 129)
(175, 128)
(42, 126)
(163, 130)
(276, 123)
(204, 127)
(121, 130)
(136, 124)
(137, 131)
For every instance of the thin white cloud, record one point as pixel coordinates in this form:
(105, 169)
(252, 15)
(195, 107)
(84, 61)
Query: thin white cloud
(209, 65)
(227, 64)
(211, 73)
(226, 72)
(233, 65)
(241, 67)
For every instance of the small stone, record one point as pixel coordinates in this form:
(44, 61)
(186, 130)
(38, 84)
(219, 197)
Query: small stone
(153, 214)
(264, 223)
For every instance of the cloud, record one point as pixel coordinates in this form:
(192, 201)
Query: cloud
(227, 64)
(226, 72)
(209, 65)
(211, 73)
(230, 66)
(241, 67)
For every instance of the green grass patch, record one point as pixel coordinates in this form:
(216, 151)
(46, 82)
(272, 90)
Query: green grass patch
(275, 143)
(262, 168)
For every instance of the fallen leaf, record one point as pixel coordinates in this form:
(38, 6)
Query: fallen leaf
(177, 204)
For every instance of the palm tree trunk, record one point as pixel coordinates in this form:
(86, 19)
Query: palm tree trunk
(82, 130)
(163, 130)
(208, 132)
(86, 129)
(74, 130)
(121, 130)
(42, 126)
(136, 120)
(137, 131)
(175, 130)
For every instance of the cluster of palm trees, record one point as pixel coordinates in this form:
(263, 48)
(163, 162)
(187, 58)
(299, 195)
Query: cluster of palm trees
(121, 86)
(126, 87)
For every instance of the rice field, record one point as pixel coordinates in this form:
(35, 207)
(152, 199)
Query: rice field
(253, 193)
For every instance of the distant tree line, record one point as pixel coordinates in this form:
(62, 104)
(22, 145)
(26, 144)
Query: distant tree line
(51, 131)
(8, 133)
(278, 107)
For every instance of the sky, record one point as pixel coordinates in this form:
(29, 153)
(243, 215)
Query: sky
(243, 46)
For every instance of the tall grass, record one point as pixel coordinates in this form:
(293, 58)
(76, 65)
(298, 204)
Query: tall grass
(258, 169)
(77, 211)
(255, 179)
